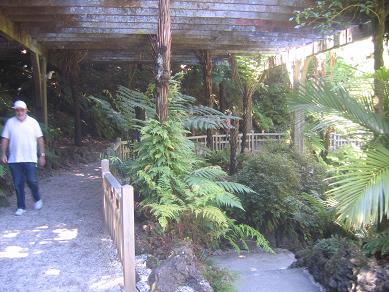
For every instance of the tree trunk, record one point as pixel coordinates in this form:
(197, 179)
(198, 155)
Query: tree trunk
(234, 137)
(163, 59)
(222, 97)
(74, 77)
(378, 40)
(206, 64)
(247, 117)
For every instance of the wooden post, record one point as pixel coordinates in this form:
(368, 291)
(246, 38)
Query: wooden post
(43, 68)
(234, 144)
(247, 116)
(37, 76)
(74, 82)
(163, 59)
(128, 260)
(252, 141)
(104, 166)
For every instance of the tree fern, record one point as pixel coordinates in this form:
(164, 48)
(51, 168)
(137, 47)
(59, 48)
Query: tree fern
(176, 191)
(194, 116)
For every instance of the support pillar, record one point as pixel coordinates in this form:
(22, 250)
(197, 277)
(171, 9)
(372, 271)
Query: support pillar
(163, 51)
(43, 67)
(37, 76)
(39, 68)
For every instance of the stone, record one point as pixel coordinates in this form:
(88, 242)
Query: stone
(142, 273)
(180, 269)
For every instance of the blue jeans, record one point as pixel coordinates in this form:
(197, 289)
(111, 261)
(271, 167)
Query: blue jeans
(21, 172)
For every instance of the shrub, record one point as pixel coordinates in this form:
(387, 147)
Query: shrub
(288, 201)
(378, 245)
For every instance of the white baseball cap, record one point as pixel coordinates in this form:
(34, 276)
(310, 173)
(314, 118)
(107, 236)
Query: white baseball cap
(19, 104)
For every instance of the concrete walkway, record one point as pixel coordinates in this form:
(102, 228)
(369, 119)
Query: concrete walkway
(263, 272)
(63, 246)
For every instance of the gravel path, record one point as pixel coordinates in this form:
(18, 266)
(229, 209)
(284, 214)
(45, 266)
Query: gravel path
(63, 246)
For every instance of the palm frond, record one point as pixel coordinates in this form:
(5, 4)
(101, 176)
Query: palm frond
(321, 97)
(362, 191)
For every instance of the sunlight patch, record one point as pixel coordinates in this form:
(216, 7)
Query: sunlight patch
(12, 252)
(52, 272)
(65, 234)
(106, 283)
(11, 234)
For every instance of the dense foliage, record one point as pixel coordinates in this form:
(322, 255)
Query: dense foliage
(288, 198)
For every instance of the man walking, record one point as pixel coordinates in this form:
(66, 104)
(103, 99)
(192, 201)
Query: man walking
(20, 136)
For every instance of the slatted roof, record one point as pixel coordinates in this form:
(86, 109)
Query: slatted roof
(119, 29)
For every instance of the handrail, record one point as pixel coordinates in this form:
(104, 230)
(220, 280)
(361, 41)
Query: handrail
(118, 207)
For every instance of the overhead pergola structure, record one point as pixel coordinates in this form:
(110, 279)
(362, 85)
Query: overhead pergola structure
(124, 30)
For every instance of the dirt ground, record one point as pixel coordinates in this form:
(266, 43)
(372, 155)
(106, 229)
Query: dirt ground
(63, 246)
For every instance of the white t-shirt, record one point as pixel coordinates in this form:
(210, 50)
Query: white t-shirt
(22, 137)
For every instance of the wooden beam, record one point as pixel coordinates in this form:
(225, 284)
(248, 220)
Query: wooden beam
(123, 3)
(12, 32)
(261, 13)
(151, 27)
(342, 38)
(131, 6)
(72, 19)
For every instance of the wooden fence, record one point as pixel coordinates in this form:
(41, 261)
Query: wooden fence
(122, 149)
(221, 141)
(118, 205)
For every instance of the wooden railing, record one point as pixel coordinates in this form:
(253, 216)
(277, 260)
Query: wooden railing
(221, 141)
(122, 149)
(118, 205)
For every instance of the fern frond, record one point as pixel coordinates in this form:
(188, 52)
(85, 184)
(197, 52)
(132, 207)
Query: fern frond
(212, 214)
(234, 187)
(209, 172)
(247, 232)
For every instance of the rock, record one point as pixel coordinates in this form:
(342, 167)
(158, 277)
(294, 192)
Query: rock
(152, 262)
(180, 269)
(142, 273)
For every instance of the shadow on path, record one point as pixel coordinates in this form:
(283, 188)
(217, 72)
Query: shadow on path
(63, 246)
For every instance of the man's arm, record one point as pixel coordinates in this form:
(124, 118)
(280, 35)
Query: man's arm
(41, 145)
(4, 148)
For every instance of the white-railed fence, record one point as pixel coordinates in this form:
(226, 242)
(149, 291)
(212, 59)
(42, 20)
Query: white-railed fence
(338, 141)
(221, 141)
(255, 140)
(118, 207)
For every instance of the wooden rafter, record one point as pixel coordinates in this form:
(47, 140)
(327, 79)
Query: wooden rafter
(12, 32)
